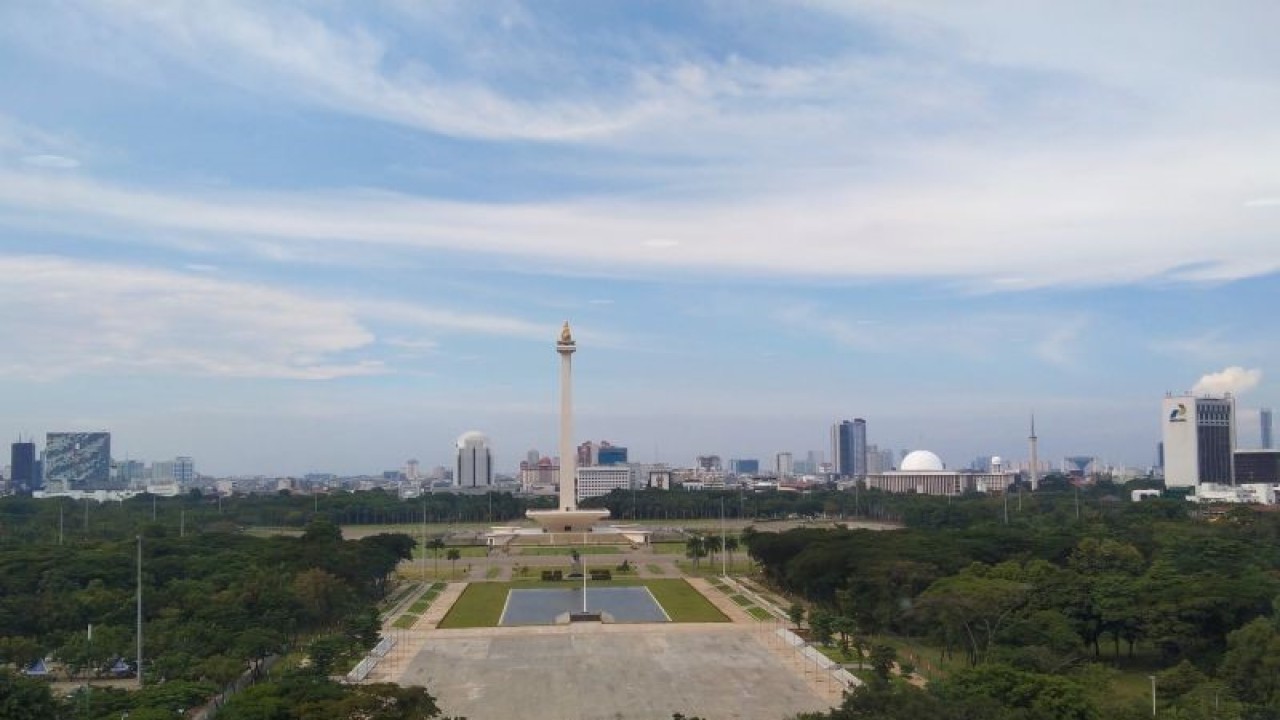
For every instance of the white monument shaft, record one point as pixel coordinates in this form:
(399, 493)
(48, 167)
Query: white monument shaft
(568, 453)
(567, 518)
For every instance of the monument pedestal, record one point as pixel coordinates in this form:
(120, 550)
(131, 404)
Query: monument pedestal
(567, 521)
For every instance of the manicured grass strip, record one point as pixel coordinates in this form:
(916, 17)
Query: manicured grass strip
(466, 551)
(480, 605)
(759, 613)
(419, 607)
(682, 602)
(654, 569)
(566, 551)
(437, 587)
(668, 548)
(404, 622)
(740, 600)
(493, 572)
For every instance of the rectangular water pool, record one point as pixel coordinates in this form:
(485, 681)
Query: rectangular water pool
(542, 607)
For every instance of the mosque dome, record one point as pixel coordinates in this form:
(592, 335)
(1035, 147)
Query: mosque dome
(921, 461)
(472, 438)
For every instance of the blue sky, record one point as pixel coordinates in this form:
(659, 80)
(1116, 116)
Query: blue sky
(332, 236)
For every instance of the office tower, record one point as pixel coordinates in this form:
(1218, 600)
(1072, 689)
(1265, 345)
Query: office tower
(474, 467)
(610, 454)
(1264, 417)
(78, 460)
(22, 468)
(744, 467)
(588, 454)
(842, 448)
(709, 463)
(782, 464)
(184, 470)
(859, 448)
(532, 457)
(1199, 440)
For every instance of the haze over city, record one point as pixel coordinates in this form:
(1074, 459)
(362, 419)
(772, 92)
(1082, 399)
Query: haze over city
(287, 238)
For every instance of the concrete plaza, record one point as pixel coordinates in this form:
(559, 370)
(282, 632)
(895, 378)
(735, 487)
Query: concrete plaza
(611, 672)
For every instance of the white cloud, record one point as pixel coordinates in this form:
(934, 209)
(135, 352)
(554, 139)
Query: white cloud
(83, 318)
(51, 162)
(288, 52)
(77, 318)
(1234, 380)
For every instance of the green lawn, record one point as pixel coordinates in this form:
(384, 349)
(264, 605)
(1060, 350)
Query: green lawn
(492, 572)
(565, 551)
(420, 606)
(406, 621)
(466, 551)
(759, 613)
(668, 548)
(654, 569)
(480, 605)
(741, 600)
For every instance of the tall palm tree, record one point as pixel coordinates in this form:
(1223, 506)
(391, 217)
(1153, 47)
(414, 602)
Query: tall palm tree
(695, 549)
(436, 545)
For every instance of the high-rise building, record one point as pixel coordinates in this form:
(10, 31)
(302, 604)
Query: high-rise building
(610, 454)
(709, 463)
(599, 480)
(22, 468)
(744, 467)
(1199, 440)
(78, 460)
(859, 447)
(1264, 419)
(782, 464)
(184, 470)
(1257, 466)
(474, 467)
(842, 448)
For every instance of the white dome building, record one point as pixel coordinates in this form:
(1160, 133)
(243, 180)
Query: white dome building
(922, 461)
(923, 472)
(474, 467)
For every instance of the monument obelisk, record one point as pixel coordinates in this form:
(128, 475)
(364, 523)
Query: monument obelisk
(565, 347)
(567, 517)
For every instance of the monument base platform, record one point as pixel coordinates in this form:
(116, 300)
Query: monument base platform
(567, 521)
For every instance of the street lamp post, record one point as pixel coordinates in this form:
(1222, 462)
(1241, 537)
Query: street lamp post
(1153, 695)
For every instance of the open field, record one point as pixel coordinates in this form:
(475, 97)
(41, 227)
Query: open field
(355, 532)
(481, 603)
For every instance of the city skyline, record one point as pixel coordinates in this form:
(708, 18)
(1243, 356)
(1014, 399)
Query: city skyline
(292, 238)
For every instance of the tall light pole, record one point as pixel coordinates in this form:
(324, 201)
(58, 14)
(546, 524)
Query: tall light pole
(1153, 695)
(139, 618)
(724, 569)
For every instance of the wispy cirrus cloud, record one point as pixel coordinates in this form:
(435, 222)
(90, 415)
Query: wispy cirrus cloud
(84, 318)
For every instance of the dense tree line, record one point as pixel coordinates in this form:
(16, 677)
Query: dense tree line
(1032, 604)
(215, 605)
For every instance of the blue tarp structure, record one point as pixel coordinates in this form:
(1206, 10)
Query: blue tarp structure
(37, 669)
(121, 668)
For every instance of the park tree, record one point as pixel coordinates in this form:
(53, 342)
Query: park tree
(730, 547)
(795, 614)
(453, 555)
(695, 549)
(974, 605)
(436, 544)
(999, 690)
(1251, 665)
(25, 698)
